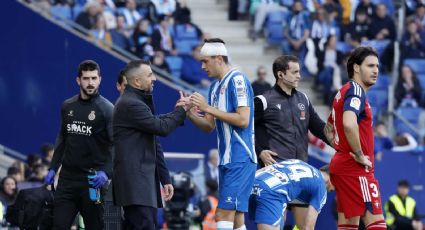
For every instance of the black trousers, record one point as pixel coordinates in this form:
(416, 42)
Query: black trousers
(72, 197)
(139, 217)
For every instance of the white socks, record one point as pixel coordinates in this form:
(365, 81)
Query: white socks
(225, 225)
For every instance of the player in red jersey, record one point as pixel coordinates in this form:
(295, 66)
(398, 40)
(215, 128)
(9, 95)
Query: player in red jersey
(352, 167)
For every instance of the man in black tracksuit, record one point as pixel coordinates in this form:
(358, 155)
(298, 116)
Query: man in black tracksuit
(84, 142)
(283, 116)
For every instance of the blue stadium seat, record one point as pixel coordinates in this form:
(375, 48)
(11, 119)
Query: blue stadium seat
(378, 98)
(418, 65)
(383, 81)
(343, 47)
(184, 47)
(377, 44)
(276, 17)
(421, 78)
(185, 32)
(411, 114)
(274, 34)
(175, 63)
(61, 12)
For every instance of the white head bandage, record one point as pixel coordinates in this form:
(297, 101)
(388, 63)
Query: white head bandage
(214, 49)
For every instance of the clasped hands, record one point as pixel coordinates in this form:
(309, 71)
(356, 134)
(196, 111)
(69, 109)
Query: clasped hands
(194, 103)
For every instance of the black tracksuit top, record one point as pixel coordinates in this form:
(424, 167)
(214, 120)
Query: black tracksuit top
(84, 140)
(282, 123)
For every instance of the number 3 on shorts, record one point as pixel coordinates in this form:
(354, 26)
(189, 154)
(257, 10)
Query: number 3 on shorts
(374, 188)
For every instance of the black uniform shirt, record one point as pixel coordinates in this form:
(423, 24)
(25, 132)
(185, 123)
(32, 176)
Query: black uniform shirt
(85, 137)
(282, 123)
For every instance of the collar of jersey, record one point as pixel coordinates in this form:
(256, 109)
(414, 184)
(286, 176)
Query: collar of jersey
(280, 91)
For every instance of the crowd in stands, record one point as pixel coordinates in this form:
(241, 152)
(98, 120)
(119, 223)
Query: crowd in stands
(157, 30)
(23, 175)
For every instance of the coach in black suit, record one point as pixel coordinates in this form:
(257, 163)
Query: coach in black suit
(139, 164)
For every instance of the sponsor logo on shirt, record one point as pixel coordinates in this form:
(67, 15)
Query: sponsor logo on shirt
(70, 113)
(80, 128)
(278, 106)
(355, 103)
(241, 92)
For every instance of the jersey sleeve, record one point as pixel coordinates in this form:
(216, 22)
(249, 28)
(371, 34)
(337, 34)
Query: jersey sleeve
(240, 91)
(355, 99)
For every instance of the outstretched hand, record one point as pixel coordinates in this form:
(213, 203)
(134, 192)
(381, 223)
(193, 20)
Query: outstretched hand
(199, 101)
(184, 101)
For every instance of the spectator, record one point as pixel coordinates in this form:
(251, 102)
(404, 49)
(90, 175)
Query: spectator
(183, 16)
(408, 89)
(120, 36)
(47, 150)
(211, 169)
(260, 85)
(322, 27)
(8, 191)
(419, 17)
(87, 18)
(334, 10)
(142, 40)
(368, 7)
(164, 7)
(191, 69)
(404, 142)
(99, 31)
(383, 27)
(22, 167)
(401, 210)
(158, 60)
(108, 15)
(382, 141)
(357, 31)
(32, 160)
(412, 42)
(130, 13)
(15, 173)
(261, 9)
(296, 32)
(161, 37)
(39, 172)
(330, 74)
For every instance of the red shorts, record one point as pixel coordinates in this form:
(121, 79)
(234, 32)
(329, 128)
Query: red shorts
(356, 194)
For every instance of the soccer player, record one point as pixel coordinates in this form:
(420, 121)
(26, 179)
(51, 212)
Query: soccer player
(277, 184)
(352, 167)
(230, 109)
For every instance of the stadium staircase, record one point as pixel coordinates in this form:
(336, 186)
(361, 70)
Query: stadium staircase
(211, 17)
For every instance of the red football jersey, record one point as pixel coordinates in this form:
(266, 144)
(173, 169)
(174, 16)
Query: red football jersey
(351, 97)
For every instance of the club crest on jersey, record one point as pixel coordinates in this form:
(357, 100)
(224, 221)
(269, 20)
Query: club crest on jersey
(355, 103)
(92, 116)
(377, 204)
(301, 106)
(70, 113)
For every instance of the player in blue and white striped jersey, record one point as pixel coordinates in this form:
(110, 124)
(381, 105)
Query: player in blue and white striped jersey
(278, 184)
(230, 110)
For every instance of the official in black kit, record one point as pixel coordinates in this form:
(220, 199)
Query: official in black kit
(84, 142)
(283, 116)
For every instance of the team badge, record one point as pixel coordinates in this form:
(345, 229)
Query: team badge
(92, 116)
(301, 106)
(377, 204)
(355, 103)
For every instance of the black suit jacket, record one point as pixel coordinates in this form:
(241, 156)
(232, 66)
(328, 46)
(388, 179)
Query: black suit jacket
(139, 163)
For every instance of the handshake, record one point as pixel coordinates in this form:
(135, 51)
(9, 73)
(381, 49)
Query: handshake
(192, 102)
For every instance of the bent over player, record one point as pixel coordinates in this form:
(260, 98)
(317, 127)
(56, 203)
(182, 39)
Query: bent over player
(278, 184)
(352, 174)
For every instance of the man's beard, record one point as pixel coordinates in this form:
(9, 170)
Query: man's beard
(86, 93)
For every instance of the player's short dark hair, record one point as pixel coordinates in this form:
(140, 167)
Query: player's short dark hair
(88, 65)
(325, 168)
(217, 40)
(357, 56)
(120, 78)
(282, 64)
(403, 183)
(132, 67)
